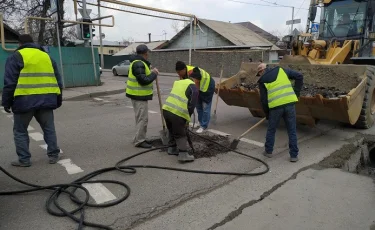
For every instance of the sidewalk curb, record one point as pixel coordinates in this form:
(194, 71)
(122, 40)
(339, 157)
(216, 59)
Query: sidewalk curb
(94, 94)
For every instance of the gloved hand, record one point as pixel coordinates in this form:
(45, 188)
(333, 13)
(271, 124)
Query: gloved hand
(7, 109)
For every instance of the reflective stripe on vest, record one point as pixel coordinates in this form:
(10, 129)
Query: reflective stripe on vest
(205, 81)
(37, 76)
(177, 102)
(280, 92)
(136, 89)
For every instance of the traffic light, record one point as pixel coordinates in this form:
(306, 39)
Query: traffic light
(85, 29)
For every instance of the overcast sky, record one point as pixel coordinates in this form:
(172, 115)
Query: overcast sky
(271, 19)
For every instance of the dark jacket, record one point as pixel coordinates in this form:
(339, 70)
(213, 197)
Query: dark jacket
(208, 95)
(20, 104)
(139, 71)
(269, 76)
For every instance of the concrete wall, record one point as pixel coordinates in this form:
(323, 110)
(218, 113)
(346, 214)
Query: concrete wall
(202, 40)
(210, 61)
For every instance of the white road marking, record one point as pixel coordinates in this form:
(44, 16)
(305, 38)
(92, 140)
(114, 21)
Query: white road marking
(98, 99)
(99, 193)
(9, 116)
(30, 128)
(218, 132)
(69, 166)
(150, 111)
(45, 146)
(3, 111)
(36, 136)
(257, 143)
(106, 101)
(130, 107)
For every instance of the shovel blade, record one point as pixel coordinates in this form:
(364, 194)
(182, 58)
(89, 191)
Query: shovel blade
(164, 137)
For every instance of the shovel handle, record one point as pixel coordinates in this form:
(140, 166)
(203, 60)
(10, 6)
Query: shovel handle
(218, 90)
(252, 127)
(159, 97)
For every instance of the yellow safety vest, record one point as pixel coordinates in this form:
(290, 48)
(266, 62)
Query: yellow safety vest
(177, 102)
(136, 89)
(37, 76)
(205, 81)
(280, 92)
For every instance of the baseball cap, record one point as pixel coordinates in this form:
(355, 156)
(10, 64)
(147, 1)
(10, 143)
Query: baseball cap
(142, 49)
(261, 67)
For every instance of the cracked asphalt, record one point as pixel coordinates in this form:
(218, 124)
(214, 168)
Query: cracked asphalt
(98, 132)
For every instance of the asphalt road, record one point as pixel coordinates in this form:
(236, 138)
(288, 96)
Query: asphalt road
(97, 133)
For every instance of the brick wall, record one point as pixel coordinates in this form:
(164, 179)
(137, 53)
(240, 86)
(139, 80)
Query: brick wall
(210, 61)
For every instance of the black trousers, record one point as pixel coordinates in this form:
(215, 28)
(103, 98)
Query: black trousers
(177, 130)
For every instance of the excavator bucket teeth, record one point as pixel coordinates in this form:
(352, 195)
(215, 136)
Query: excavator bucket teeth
(340, 93)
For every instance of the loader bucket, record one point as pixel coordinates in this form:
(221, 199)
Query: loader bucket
(330, 92)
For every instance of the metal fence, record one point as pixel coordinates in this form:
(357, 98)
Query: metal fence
(77, 63)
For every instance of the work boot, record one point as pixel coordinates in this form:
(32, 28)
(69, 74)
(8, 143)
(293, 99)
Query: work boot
(173, 150)
(184, 156)
(54, 160)
(144, 145)
(20, 164)
(269, 155)
(293, 159)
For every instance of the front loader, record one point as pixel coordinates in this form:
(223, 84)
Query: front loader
(342, 57)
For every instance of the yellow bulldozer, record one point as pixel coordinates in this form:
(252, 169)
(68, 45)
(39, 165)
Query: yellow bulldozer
(338, 67)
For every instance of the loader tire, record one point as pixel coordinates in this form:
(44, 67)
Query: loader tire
(367, 117)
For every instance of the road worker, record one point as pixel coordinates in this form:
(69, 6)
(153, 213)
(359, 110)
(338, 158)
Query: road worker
(278, 98)
(140, 90)
(177, 111)
(32, 88)
(206, 85)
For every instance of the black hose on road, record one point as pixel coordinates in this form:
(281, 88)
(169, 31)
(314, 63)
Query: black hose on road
(70, 189)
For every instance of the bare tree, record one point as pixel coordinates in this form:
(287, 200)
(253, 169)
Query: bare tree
(176, 26)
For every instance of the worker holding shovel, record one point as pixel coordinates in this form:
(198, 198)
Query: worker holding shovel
(177, 111)
(206, 85)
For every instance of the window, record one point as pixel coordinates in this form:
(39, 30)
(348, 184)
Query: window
(111, 51)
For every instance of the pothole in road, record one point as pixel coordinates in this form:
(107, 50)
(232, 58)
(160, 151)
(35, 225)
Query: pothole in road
(203, 148)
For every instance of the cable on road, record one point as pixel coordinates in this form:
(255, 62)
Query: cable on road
(78, 214)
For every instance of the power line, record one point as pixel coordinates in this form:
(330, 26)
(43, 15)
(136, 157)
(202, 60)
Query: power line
(270, 4)
(250, 3)
(299, 8)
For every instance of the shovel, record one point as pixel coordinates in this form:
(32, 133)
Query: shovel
(235, 142)
(163, 133)
(214, 117)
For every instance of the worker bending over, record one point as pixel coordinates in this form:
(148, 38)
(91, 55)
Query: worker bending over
(177, 111)
(206, 85)
(278, 99)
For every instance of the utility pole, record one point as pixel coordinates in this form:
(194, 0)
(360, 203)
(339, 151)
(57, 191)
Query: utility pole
(100, 37)
(85, 16)
(291, 32)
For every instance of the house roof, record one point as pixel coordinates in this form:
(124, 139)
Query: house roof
(10, 34)
(131, 48)
(236, 34)
(258, 30)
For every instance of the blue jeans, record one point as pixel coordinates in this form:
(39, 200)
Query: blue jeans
(288, 113)
(204, 113)
(21, 136)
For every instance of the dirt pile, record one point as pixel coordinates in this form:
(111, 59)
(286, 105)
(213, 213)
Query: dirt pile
(202, 147)
(307, 90)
